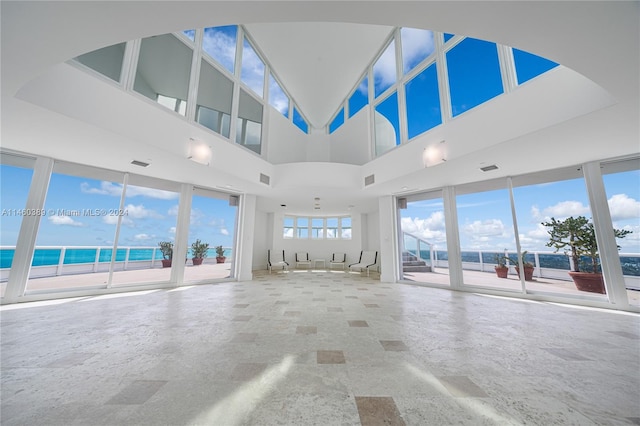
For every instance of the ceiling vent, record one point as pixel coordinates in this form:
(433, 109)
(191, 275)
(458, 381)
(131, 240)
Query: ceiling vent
(489, 168)
(369, 180)
(139, 163)
(264, 179)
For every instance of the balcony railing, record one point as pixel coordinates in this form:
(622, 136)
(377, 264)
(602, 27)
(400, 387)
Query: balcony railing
(547, 264)
(49, 261)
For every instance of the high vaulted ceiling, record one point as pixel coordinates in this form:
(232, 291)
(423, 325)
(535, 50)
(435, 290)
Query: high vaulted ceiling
(320, 62)
(56, 110)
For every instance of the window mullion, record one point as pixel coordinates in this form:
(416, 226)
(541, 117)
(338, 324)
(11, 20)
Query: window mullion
(443, 79)
(402, 110)
(194, 79)
(507, 68)
(130, 64)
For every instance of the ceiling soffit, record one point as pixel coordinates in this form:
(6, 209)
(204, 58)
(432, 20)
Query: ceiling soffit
(319, 63)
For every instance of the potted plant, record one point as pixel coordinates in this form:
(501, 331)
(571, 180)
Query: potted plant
(501, 268)
(577, 236)
(166, 247)
(199, 252)
(528, 267)
(220, 258)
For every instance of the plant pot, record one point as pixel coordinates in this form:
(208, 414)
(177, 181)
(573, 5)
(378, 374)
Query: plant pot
(502, 272)
(197, 261)
(166, 263)
(587, 281)
(220, 259)
(528, 272)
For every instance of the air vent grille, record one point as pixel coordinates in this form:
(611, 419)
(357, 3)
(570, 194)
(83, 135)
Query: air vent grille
(264, 179)
(369, 180)
(139, 163)
(489, 168)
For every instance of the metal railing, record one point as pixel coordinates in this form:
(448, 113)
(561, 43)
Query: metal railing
(51, 261)
(547, 264)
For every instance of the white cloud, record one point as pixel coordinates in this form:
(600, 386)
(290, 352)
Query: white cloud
(115, 190)
(252, 73)
(143, 237)
(384, 70)
(172, 230)
(224, 231)
(277, 98)
(535, 213)
(113, 220)
(363, 87)
(173, 211)
(431, 229)
(630, 243)
(565, 209)
(535, 239)
(140, 212)
(64, 220)
(623, 207)
(485, 228)
(417, 44)
(221, 46)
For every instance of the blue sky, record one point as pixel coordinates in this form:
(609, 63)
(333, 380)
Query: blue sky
(150, 213)
(485, 221)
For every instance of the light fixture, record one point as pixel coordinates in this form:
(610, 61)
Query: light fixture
(199, 152)
(434, 154)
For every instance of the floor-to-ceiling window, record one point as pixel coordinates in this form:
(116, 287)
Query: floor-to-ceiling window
(423, 239)
(149, 216)
(540, 200)
(212, 230)
(15, 180)
(76, 236)
(487, 239)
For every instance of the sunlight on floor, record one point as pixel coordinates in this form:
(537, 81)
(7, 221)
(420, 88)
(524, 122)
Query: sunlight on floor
(15, 306)
(234, 409)
(429, 378)
(481, 409)
(119, 295)
(182, 288)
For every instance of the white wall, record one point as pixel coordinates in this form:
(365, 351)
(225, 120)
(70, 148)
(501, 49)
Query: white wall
(318, 249)
(350, 143)
(372, 241)
(318, 148)
(262, 235)
(285, 142)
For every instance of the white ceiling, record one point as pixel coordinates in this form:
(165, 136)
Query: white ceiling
(319, 62)
(84, 122)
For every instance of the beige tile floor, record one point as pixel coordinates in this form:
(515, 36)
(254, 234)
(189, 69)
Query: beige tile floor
(316, 348)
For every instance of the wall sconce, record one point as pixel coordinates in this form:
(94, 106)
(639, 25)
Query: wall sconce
(434, 154)
(199, 152)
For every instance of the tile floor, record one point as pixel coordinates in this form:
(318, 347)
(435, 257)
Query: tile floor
(316, 348)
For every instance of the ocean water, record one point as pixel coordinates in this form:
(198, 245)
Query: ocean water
(51, 257)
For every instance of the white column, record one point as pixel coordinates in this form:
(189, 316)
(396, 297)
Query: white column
(453, 238)
(387, 258)
(182, 234)
(605, 237)
(244, 243)
(19, 273)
